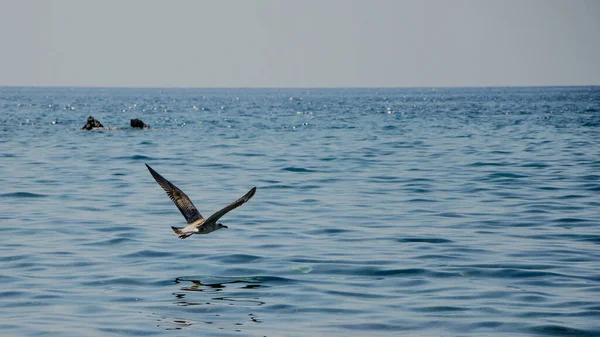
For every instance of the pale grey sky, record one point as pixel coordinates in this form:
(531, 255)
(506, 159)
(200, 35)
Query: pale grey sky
(303, 43)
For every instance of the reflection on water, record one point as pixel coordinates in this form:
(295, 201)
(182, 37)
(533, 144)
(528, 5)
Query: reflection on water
(198, 285)
(199, 291)
(172, 324)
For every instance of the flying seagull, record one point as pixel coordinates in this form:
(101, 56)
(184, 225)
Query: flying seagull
(196, 224)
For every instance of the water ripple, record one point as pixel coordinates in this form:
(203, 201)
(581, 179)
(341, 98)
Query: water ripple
(23, 195)
(419, 211)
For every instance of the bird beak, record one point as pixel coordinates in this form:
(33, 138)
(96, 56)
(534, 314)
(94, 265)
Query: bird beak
(224, 226)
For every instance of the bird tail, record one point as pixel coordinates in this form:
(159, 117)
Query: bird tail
(178, 231)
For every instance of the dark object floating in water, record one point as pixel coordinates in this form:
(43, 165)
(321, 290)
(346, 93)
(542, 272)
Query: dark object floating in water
(196, 223)
(139, 124)
(92, 124)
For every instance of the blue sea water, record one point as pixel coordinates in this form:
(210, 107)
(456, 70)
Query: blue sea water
(379, 212)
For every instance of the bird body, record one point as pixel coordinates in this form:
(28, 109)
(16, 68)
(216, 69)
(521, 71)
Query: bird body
(197, 227)
(196, 223)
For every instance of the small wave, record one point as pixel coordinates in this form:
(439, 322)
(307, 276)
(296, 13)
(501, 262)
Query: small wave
(302, 269)
(278, 186)
(219, 166)
(450, 215)
(513, 273)
(238, 258)
(535, 165)
(439, 308)
(379, 272)
(136, 157)
(418, 190)
(560, 330)
(6, 294)
(115, 229)
(109, 242)
(329, 231)
(248, 154)
(357, 294)
(592, 187)
(571, 221)
(386, 178)
(484, 164)
(124, 331)
(149, 253)
(487, 325)
(128, 281)
(425, 240)
(221, 280)
(47, 297)
(417, 200)
(23, 195)
(593, 238)
(375, 327)
(506, 175)
(297, 169)
(11, 258)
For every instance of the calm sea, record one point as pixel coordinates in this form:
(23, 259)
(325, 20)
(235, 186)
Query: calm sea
(379, 212)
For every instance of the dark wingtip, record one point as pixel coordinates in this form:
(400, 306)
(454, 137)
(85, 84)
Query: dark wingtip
(150, 169)
(251, 193)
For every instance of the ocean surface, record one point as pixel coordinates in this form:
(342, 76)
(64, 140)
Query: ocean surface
(379, 212)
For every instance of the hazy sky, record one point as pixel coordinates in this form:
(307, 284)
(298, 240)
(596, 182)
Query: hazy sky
(303, 43)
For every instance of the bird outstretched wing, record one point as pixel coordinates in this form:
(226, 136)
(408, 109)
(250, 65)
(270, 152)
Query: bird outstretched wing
(215, 217)
(181, 200)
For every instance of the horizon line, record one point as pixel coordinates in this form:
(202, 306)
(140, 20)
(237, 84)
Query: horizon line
(299, 87)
